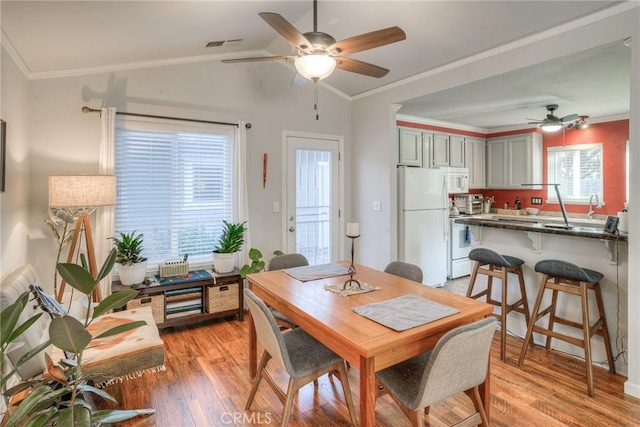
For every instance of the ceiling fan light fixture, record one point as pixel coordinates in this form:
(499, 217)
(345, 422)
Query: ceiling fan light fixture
(316, 66)
(550, 127)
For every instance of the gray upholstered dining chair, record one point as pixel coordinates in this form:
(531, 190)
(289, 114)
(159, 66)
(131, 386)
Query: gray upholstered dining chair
(303, 357)
(458, 363)
(281, 262)
(405, 270)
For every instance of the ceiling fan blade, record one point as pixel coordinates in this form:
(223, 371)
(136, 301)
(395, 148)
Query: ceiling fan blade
(535, 123)
(571, 118)
(258, 58)
(360, 67)
(368, 41)
(286, 30)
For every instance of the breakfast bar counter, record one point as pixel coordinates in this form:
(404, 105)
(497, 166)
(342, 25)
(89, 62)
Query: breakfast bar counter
(586, 245)
(589, 230)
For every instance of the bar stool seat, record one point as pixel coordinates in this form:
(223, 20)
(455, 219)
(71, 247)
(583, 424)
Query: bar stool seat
(493, 264)
(562, 276)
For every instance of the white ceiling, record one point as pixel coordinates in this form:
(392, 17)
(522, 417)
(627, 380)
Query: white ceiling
(52, 38)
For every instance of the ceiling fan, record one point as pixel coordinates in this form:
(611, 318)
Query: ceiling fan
(319, 53)
(553, 123)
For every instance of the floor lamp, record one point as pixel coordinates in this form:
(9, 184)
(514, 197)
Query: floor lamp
(82, 194)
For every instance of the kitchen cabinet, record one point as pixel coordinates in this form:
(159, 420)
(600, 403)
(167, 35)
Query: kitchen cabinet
(440, 150)
(456, 151)
(414, 147)
(474, 161)
(514, 160)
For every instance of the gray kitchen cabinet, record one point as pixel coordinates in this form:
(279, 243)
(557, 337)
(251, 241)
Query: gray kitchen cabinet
(474, 160)
(514, 160)
(410, 147)
(440, 150)
(456, 151)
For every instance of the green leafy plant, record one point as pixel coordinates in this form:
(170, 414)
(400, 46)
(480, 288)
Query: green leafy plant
(257, 264)
(129, 248)
(60, 222)
(231, 239)
(59, 398)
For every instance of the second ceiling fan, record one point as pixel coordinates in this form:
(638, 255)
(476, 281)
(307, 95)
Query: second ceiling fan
(552, 123)
(319, 53)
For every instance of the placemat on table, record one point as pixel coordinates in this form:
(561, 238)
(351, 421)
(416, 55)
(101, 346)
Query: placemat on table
(315, 272)
(405, 312)
(336, 288)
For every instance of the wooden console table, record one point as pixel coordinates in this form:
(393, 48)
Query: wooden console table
(190, 300)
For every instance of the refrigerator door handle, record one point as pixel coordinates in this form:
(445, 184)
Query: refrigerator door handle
(445, 217)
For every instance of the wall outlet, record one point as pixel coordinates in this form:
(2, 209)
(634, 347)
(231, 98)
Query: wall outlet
(377, 205)
(536, 200)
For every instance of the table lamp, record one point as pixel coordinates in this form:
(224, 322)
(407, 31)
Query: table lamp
(82, 194)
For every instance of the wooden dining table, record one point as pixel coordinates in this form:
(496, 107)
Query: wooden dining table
(368, 346)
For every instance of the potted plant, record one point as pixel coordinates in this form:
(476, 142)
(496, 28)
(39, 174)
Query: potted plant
(60, 397)
(131, 265)
(229, 242)
(257, 263)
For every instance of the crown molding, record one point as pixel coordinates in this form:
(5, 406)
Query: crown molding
(438, 123)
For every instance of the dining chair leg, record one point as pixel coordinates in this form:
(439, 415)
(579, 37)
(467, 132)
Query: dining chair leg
(477, 402)
(346, 390)
(292, 391)
(256, 380)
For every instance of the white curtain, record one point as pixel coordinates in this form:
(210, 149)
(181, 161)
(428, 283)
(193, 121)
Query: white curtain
(105, 214)
(240, 195)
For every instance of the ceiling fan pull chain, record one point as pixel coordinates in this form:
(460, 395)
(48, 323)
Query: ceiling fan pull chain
(315, 102)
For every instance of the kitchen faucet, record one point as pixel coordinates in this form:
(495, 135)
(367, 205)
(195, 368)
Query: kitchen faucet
(597, 205)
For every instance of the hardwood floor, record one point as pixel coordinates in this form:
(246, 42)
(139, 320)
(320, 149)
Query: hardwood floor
(207, 383)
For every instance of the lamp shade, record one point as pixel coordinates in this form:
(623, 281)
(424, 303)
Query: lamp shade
(315, 66)
(551, 127)
(81, 191)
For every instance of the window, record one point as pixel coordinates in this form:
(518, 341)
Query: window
(175, 185)
(578, 170)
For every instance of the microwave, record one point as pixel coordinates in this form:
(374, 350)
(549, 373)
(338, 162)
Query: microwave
(457, 180)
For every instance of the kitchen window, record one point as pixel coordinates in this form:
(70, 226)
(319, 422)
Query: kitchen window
(175, 185)
(578, 170)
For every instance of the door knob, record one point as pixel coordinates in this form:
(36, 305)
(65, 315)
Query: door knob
(292, 228)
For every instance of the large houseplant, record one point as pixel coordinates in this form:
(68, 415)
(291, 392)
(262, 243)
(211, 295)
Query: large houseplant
(131, 265)
(229, 242)
(58, 399)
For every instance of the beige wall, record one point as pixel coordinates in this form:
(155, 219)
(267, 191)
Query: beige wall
(14, 202)
(63, 140)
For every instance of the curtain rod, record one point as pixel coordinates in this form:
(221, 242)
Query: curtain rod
(86, 109)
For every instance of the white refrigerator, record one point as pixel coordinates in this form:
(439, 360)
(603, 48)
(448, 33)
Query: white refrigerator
(423, 219)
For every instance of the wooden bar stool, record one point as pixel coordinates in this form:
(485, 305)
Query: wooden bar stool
(492, 264)
(561, 276)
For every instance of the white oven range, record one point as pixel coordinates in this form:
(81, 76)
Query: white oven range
(459, 248)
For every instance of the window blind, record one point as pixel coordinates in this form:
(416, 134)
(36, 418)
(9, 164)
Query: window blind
(578, 170)
(175, 185)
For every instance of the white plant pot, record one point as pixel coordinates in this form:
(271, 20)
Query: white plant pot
(224, 263)
(132, 274)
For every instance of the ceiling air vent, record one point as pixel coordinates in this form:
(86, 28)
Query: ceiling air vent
(226, 43)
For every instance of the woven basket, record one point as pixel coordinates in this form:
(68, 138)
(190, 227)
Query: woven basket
(222, 298)
(156, 302)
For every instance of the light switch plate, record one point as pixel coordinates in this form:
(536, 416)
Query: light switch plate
(276, 206)
(377, 205)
